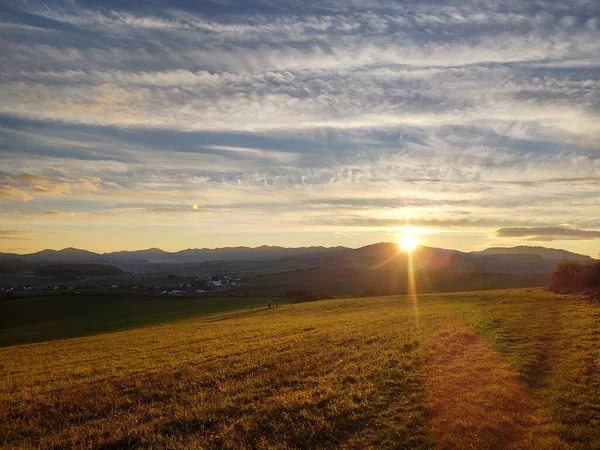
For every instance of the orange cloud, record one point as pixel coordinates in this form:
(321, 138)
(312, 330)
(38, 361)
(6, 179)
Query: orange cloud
(12, 193)
(33, 178)
(57, 213)
(51, 186)
(15, 234)
(56, 189)
(86, 186)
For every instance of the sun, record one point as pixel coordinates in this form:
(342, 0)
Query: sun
(408, 242)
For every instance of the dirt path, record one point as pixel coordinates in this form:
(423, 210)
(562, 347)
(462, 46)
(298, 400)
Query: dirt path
(475, 399)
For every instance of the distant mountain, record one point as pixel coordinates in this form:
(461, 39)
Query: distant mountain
(385, 255)
(543, 252)
(496, 260)
(66, 255)
(136, 256)
(384, 269)
(198, 255)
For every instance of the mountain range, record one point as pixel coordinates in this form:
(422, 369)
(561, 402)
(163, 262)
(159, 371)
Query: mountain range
(156, 255)
(495, 259)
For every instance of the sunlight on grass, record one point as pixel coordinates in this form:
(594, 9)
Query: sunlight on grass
(496, 369)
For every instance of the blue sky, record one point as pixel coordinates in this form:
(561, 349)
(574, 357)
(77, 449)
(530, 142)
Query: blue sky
(299, 123)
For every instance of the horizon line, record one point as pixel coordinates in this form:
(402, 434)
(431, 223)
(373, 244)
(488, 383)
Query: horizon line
(276, 247)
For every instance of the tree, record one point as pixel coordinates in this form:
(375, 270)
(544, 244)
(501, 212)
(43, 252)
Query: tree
(573, 276)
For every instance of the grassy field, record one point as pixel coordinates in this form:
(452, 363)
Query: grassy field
(44, 317)
(494, 369)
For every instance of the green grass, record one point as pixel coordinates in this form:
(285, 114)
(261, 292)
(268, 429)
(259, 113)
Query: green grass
(45, 317)
(494, 369)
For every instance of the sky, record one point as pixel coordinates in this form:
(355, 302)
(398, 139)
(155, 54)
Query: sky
(129, 125)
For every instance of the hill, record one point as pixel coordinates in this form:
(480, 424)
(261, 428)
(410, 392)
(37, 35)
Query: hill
(264, 253)
(149, 255)
(156, 255)
(76, 270)
(379, 267)
(58, 315)
(386, 281)
(15, 265)
(65, 255)
(543, 252)
(502, 369)
(384, 269)
(388, 255)
(319, 256)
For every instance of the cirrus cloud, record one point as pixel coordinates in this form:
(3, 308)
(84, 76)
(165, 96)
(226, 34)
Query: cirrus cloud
(330, 117)
(559, 233)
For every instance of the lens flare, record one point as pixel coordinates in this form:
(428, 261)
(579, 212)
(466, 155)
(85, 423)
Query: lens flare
(408, 242)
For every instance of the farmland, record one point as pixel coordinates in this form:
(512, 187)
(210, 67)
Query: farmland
(496, 369)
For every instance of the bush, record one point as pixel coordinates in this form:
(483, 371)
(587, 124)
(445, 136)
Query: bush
(592, 275)
(572, 276)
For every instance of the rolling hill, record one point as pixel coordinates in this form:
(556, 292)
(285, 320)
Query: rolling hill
(543, 252)
(156, 255)
(65, 255)
(380, 267)
(498, 369)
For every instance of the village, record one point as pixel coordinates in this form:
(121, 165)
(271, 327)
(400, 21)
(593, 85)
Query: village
(169, 285)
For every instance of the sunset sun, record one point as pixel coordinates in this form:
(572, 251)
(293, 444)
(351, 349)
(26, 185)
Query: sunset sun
(408, 242)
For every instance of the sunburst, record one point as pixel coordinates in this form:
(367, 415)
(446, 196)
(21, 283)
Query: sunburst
(408, 241)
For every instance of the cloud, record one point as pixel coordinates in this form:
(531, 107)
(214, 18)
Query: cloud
(384, 66)
(33, 179)
(54, 212)
(12, 193)
(440, 223)
(559, 233)
(57, 185)
(314, 99)
(329, 116)
(22, 27)
(173, 210)
(278, 156)
(20, 235)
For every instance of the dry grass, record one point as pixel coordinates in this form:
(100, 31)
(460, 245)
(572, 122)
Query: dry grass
(499, 369)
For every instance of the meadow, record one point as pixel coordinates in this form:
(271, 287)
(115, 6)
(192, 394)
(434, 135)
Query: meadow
(496, 369)
(40, 317)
